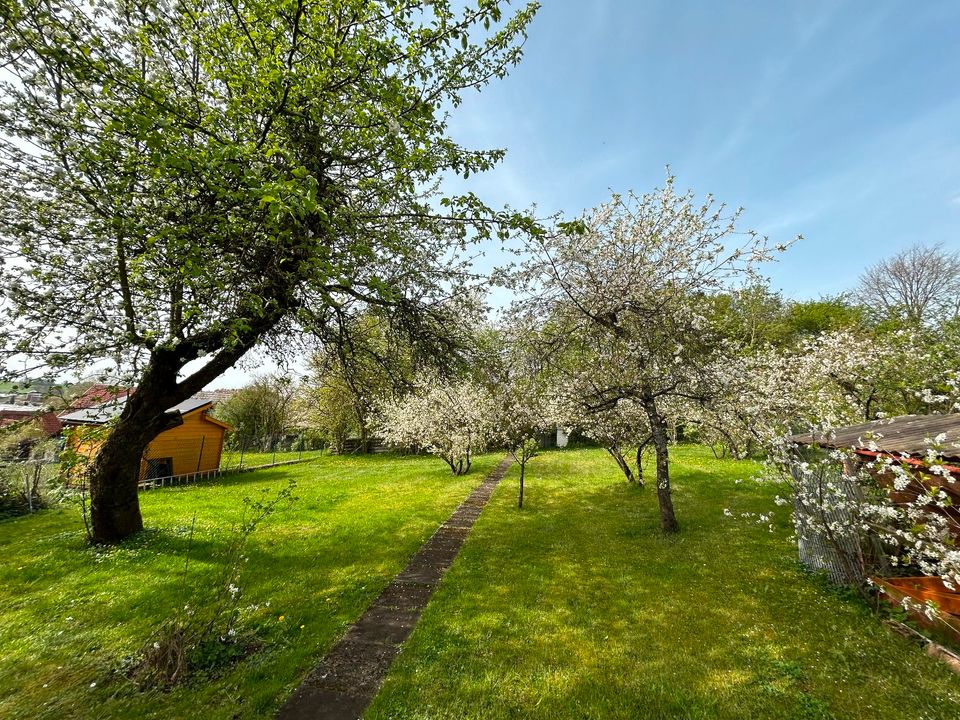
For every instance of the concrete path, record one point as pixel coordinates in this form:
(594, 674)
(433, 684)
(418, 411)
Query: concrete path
(346, 680)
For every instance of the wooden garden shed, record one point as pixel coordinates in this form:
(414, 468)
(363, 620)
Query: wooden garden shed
(194, 446)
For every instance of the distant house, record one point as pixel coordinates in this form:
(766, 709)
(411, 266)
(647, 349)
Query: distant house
(194, 446)
(10, 413)
(47, 422)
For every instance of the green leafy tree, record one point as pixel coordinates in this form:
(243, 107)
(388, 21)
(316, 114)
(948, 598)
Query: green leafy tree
(262, 410)
(807, 318)
(180, 181)
(347, 380)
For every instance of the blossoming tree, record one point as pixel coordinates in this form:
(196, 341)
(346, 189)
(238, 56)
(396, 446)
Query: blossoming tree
(450, 419)
(632, 277)
(858, 510)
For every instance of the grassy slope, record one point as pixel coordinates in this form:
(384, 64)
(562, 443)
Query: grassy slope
(577, 607)
(67, 612)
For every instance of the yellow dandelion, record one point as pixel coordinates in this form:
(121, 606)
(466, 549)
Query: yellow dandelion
(281, 618)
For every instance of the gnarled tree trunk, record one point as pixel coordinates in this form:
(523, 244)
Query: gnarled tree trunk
(115, 472)
(114, 476)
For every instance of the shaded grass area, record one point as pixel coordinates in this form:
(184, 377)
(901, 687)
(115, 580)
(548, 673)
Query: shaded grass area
(578, 607)
(69, 613)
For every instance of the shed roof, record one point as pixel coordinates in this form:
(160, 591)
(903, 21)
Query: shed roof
(903, 435)
(100, 414)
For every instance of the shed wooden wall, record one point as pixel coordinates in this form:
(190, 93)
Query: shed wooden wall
(184, 443)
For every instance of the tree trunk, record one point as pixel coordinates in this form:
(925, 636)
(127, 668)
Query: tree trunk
(621, 463)
(114, 501)
(640, 464)
(363, 440)
(523, 467)
(115, 472)
(658, 427)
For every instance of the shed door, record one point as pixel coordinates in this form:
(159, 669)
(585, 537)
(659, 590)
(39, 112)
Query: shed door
(159, 467)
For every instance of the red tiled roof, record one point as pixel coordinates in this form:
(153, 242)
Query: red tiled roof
(98, 394)
(50, 423)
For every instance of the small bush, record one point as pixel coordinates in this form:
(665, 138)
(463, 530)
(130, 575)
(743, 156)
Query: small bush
(207, 632)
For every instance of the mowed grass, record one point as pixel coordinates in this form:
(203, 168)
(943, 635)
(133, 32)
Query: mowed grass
(233, 458)
(70, 613)
(578, 607)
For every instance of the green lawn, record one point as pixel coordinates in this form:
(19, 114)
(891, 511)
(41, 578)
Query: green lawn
(232, 458)
(577, 607)
(574, 607)
(69, 613)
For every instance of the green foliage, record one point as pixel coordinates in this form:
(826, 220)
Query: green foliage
(757, 316)
(262, 409)
(17, 440)
(812, 317)
(347, 380)
(28, 469)
(209, 172)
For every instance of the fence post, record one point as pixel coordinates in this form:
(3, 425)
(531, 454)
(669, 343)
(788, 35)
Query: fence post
(300, 452)
(274, 461)
(243, 443)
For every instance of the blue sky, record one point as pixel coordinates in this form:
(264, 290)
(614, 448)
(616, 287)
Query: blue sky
(836, 120)
(839, 121)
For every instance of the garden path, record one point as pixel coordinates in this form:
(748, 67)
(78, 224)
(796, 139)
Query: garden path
(348, 677)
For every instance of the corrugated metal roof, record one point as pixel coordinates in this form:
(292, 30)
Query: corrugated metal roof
(100, 414)
(907, 434)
